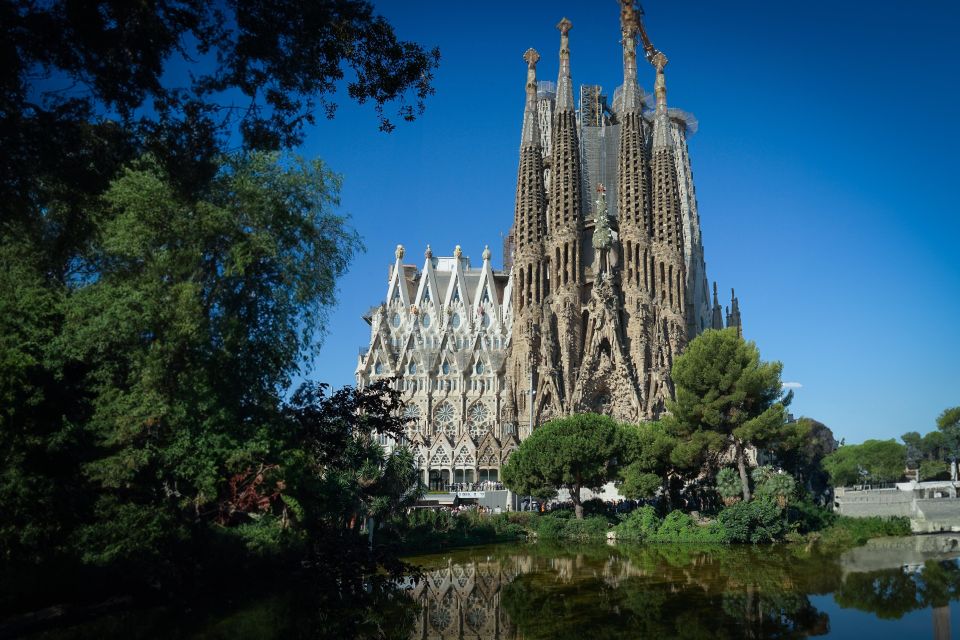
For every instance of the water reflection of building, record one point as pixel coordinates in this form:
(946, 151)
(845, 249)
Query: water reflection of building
(463, 600)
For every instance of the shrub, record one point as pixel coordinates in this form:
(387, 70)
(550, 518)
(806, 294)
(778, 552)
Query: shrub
(548, 526)
(756, 521)
(806, 516)
(850, 532)
(592, 527)
(640, 525)
(675, 527)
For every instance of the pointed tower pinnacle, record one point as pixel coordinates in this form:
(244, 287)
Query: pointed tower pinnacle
(531, 130)
(733, 314)
(717, 318)
(667, 219)
(564, 83)
(629, 27)
(565, 199)
(661, 126)
(529, 214)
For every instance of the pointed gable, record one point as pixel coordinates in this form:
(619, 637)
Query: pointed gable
(428, 298)
(457, 290)
(486, 293)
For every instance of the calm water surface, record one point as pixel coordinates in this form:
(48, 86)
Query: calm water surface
(896, 588)
(901, 588)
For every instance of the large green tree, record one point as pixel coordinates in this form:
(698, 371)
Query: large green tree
(804, 445)
(726, 398)
(165, 270)
(872, 461)
(576, 452)
(646, 460)
(191, 317)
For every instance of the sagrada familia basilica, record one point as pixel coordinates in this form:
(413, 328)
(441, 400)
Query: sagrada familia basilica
(604, 281)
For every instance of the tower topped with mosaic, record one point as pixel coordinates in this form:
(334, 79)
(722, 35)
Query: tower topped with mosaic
(604, 279)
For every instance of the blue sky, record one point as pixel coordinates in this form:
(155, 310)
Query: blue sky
(824, 165)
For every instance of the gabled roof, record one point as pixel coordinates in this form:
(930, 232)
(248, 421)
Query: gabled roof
(428, 280)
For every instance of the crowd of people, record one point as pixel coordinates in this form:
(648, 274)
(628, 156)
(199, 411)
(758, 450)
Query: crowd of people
(486, 485)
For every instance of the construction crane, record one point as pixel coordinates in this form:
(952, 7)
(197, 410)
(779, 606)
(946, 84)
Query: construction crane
(633, 12)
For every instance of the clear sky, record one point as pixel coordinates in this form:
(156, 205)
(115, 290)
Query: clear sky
(825, 167)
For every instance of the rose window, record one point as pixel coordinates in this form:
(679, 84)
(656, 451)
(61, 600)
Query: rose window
(479, 416)
(444, 418)
(440, 618)
(411, 416)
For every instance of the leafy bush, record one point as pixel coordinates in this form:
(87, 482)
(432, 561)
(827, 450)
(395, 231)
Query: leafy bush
(756, 521)
(643, 525)
(548, 526)
(640, 525)
(849, 532)
(592, 527)
(806, 516)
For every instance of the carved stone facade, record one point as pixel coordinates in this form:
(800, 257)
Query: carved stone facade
(596, 305)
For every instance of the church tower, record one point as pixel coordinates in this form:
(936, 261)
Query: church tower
(530, 281)
(633, 206)
(669, 335)
(564, 249)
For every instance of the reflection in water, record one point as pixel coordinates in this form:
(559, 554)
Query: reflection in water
(668, 591)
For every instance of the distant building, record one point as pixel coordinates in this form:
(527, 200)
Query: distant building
(604, 282)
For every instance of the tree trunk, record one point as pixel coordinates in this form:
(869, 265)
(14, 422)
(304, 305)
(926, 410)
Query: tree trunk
(742, 467)
(575, 498)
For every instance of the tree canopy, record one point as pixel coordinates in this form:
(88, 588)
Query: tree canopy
(579, 451)
(726, 398)
(86, 88)
(872, 461)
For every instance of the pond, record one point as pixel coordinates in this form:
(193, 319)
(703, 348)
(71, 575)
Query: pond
(896, 588)
(890, 588)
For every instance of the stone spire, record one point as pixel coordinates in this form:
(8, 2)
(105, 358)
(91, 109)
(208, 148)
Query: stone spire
(630, 95)
(717, 319)
(564, 247)
(633, 185)
(531, 130)
(667, 220)
(565, 200)
(529, 222)
(733, 315)
(564, 83)
(530, 279)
